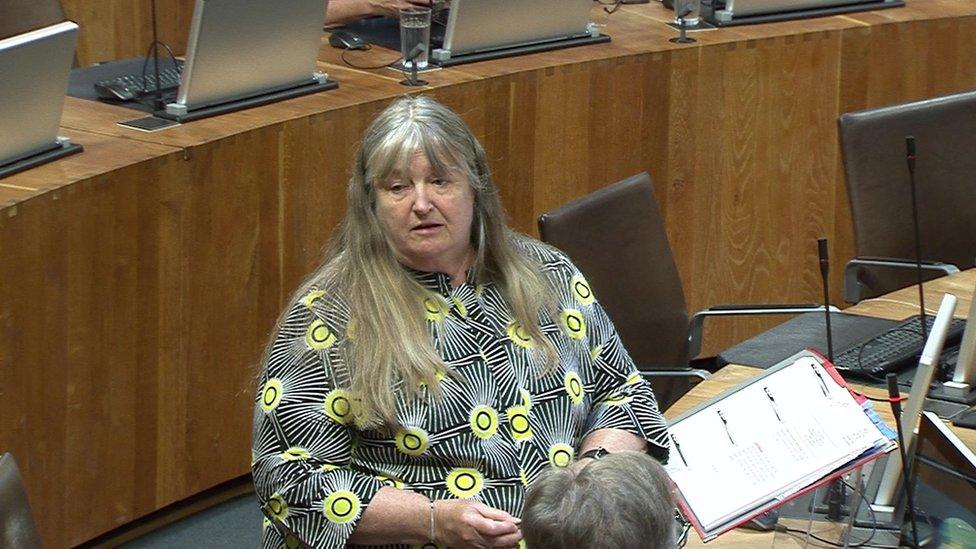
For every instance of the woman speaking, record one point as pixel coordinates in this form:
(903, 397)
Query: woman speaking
(437, 362)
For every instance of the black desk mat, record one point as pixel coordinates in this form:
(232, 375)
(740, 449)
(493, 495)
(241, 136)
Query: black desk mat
(804, 331)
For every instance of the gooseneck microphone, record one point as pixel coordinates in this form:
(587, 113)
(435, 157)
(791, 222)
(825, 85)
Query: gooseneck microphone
(157, 94)
(894, 397)
(824, 271)
(910, 157)
(836, 494)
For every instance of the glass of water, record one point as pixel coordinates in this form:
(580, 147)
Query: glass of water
(691, 9)
(414, 36)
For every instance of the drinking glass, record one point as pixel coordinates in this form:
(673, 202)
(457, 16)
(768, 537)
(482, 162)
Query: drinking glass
(414, 36)
(693, 7)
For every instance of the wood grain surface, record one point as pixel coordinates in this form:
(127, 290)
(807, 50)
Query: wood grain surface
(141, 279)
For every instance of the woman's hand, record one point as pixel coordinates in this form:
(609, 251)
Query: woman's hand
(464, 523)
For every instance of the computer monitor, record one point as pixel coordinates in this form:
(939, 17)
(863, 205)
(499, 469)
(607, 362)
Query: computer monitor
(240, 49)
(964, 376)
(944, 479)
(479, 25)
(35, 67)
(887, 494)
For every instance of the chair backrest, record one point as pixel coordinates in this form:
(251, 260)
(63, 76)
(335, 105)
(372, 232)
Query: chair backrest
(20, 16)
(874, 153)
(17, 528)
(616, 237)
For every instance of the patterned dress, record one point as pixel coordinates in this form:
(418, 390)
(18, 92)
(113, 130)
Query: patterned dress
(497, 426)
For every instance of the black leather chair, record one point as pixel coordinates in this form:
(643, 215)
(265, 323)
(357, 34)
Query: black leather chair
(617, 238)
(874, 152)
(17, 527)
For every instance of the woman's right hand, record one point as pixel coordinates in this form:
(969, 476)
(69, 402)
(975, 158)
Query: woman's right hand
(465, 523)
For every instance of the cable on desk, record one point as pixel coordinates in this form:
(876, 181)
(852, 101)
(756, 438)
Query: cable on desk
(876, 399)
(366, 67)
(874, 526)
(614, 5)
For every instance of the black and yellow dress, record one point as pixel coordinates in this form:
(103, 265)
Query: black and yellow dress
(497, 425)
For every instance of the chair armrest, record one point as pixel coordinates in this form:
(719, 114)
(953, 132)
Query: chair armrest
(698, 319)
(853, 288)
(690, 372)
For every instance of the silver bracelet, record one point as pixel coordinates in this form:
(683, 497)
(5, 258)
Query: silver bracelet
(432, 521)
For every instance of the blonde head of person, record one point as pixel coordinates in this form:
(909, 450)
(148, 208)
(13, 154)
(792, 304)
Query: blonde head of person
(621, 501)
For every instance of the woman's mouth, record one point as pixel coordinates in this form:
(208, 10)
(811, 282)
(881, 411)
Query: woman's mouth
(426, 228)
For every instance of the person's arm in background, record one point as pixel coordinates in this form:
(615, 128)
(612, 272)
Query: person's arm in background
(344, 11)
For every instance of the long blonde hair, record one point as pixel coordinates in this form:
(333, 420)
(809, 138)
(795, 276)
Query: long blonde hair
(392, 352)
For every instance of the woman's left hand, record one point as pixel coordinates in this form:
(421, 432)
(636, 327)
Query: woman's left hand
(464, 523)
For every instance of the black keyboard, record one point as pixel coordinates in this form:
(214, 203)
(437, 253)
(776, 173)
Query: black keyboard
(130, 86)
(894, 350)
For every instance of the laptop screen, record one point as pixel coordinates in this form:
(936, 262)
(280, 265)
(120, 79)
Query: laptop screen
(240, 48)
(35, 68)
(477, 25)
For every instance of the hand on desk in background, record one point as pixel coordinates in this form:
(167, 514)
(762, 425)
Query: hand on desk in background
(345, 11)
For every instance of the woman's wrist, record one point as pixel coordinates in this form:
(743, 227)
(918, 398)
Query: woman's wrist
(433, 524)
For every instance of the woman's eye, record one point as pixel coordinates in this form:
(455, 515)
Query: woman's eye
(439, 182)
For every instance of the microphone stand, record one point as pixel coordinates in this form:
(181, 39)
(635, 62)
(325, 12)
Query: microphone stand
(682, 37)
(894, 397)
(910, 157)
(411, 58)
(836, 494)
(824, 271)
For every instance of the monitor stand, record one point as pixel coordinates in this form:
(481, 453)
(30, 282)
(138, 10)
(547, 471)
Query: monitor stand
(722, 18)
(444, 58)
(181, 113)
(64, 147)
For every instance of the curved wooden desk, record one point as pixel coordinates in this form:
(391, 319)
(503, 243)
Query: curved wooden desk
(141, 279)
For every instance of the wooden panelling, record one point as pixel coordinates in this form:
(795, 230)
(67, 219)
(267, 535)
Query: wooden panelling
(120, 29)
(80, 326)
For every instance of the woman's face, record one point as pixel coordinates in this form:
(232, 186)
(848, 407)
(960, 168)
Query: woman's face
(427, 216)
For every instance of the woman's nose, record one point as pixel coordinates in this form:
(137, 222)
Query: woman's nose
(421, 200)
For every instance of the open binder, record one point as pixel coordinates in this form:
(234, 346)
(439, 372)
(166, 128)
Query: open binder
(762, 443)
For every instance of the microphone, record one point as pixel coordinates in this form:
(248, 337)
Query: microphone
(894, 397)
(415, 52)
(410, 58)
(910, 157)
(824, 271)
(158, 93)
(910, 152)
(836, 494)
